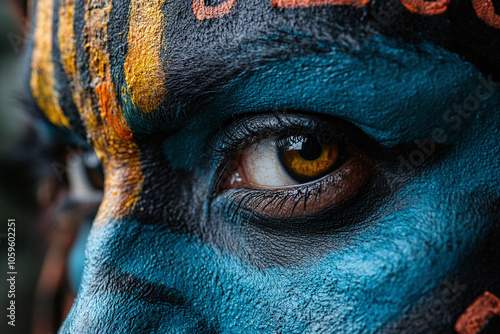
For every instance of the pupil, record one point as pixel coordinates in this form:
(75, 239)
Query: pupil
(311, 149)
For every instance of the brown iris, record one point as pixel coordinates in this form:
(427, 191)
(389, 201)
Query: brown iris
(306, 159)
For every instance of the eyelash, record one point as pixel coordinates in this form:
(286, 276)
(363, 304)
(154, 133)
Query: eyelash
(247, 131)
(241, 134)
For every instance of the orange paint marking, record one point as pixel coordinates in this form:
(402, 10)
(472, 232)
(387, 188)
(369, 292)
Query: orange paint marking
(110, 133)
(426, 7)
(486, 11)
(484, 8)
(203, 12)
(106, 102)
(312, 3)
(478, 314)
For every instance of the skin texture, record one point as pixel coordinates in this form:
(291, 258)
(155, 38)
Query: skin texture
(152, 85)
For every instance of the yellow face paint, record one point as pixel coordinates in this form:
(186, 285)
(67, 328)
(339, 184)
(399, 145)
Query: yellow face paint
(42, 68)
(100, 109)
(66, 36)
(143, 66)
(122, 167)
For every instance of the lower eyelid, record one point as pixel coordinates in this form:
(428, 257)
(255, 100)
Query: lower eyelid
(308, 199)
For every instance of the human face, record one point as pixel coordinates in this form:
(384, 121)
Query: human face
(204, 226)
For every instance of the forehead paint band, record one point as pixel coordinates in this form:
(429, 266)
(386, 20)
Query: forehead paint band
(484, 8)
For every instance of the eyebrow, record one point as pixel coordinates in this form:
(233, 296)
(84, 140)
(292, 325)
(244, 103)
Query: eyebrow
(194, 81)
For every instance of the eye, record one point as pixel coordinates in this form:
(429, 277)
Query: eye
(286, 165)
(93, 169)
(85, 175)
(285, 162)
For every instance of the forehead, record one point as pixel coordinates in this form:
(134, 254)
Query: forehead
(141, 65)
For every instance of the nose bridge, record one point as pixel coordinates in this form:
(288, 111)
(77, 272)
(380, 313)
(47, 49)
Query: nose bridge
(134, 269)
(123, 289)
(178, 277)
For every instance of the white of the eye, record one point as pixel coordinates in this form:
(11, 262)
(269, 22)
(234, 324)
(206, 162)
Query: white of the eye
(262, 166)
(80, 187)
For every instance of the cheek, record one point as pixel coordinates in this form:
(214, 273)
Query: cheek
(430, 230)
(426, 230)
(166, 279)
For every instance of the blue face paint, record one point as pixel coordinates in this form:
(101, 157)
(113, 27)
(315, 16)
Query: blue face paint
(383, 84)
(146, 276)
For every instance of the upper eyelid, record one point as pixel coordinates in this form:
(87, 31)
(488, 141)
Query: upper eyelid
(240, 134)
(249, 130)
(384, 84)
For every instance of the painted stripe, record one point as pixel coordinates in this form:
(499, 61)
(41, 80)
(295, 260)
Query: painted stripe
(426, 7)
(130, 285)
(203, 12)
(143, 66)
(123, 171)
(68, 54)
(118, 28)
(486, 12)
(62, 86)
(313, 3)
(95, 96)
(66, 36)
(42, 81)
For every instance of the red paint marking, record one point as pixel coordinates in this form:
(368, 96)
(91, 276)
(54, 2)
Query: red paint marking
(486, 12)
(312, 3)
(425, 7)
(477, 314)
(203, 12)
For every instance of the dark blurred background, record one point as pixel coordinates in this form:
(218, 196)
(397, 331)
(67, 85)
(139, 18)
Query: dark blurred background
(17, 184)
